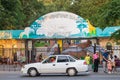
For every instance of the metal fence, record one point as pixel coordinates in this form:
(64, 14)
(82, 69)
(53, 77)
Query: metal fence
(9, 67)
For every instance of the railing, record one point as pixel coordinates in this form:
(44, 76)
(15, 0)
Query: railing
(8, 67)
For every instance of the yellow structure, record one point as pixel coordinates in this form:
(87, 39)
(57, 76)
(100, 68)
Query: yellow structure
(60, 44)
(10, 46)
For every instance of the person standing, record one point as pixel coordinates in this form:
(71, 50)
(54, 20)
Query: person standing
(15, 58)
(96, 61)
(109, 66)
(105, 59)
(115, 59)
(112, 59)
(87, 59)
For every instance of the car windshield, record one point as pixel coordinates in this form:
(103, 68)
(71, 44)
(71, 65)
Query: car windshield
(75, 57)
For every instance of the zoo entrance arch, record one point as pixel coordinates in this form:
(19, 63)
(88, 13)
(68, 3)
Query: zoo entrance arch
(56, 26)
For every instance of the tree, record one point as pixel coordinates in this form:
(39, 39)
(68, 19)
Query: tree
(57, 5)
(88, 9)
(17, 14)
(116, 36)
(11, 14)
(110, 14)
(32, 9)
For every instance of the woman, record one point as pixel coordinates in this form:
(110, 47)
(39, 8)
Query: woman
(87, 59)
(96, 61)
(112, 59)
(109, 66)
(115, 59)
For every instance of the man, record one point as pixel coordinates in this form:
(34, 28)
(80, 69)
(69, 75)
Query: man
(105, 59)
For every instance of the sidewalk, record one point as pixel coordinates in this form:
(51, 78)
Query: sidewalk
(101, 72)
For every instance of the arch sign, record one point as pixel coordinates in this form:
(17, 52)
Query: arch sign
(59, 24)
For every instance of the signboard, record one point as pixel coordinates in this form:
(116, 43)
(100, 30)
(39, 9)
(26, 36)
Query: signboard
(59, 24)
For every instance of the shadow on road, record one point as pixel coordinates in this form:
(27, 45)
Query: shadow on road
(56, 75)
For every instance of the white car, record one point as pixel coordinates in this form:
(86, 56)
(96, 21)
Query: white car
(56, 64)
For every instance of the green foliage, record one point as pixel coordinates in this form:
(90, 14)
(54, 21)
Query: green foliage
(32, 10)
(116, 36)
(41, 44)
(89, 9)
(109, 14)
(11, 14)
(82, 58)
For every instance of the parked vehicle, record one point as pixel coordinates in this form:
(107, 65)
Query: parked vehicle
(56, 64)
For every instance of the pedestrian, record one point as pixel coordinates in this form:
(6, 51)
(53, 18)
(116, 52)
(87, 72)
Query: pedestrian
(96, 61)
(116, 59)
(109, 66)
(105, 59)
(112, 59)
(40, 57)
(15, 58)
(87, 59)
(23, 59)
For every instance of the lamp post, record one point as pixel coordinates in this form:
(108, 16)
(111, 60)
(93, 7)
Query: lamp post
(59, 52)
(94, 48)
(29, 50)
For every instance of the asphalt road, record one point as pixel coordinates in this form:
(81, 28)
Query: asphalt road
(92, 76)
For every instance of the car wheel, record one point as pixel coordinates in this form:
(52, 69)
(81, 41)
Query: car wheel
(71, 72)
(32, 72)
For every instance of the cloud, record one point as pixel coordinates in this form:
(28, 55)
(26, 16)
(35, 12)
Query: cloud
(27, 32)
(60, 26)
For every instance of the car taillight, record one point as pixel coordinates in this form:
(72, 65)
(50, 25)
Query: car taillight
(84, 63)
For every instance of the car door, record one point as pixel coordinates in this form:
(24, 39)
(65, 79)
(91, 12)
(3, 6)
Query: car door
(62, 64)
(48, 66)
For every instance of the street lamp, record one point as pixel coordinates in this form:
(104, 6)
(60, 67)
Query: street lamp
(94, 48)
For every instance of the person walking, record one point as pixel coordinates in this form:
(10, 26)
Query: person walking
(96, 61)
(105, 60)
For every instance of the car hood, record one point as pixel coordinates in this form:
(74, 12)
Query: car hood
(81, 61)
(33, 64)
